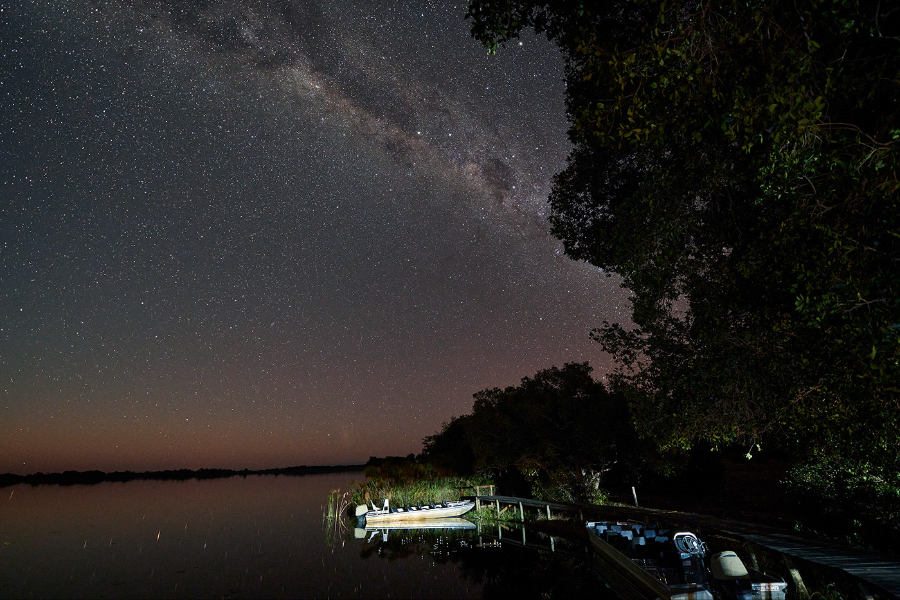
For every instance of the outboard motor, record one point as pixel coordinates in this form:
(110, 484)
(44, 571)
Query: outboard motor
(730, 576)
(361, 510)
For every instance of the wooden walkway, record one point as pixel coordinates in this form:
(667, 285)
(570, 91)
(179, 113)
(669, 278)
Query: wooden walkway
(879, 570)
(508, 502)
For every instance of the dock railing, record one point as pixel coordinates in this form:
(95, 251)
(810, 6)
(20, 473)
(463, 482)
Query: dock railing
(489, 488)
(478, 489)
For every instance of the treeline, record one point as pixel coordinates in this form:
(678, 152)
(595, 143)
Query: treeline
(559, 435)
(94, 477)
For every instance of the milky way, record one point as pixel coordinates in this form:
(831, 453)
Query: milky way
(272, 233)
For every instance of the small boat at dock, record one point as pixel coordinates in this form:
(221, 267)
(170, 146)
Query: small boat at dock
(402, 514)
(643, 563)
(646, 562)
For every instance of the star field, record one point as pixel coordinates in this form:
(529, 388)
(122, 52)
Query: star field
(271, 233)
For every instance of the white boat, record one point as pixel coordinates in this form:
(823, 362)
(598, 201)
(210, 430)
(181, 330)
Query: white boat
(404, 514)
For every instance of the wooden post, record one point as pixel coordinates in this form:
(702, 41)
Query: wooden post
(635, 497)
(523, 536)
(752, 555)
(498, 506)
(491, 490)
(548, 512)
(521, 515)
(864, 592)
(802, 592)
(477, 502)
(552, 545)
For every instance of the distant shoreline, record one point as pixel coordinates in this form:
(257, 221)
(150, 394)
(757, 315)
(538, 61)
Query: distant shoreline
(94, 477)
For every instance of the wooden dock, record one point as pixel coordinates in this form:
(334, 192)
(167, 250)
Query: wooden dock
(511, 502)
(879, 570)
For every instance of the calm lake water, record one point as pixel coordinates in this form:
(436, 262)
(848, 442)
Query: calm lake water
(256, 537)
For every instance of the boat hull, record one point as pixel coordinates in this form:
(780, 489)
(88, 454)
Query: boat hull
(417, 514)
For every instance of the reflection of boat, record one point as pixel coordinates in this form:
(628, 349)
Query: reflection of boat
(641, 563)
(390, 515)
(438, 523)
(447, 523)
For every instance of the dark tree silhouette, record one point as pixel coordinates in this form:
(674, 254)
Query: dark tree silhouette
(737, 164)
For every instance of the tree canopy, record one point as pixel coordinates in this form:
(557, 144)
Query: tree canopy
(560, 429)
(736, 162)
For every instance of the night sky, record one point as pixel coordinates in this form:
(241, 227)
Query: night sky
(264, 234)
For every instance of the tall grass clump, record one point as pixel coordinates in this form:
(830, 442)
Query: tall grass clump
(488, 514)
(411, 492)
(405, 482)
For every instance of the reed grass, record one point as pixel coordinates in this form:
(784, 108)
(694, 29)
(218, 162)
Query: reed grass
(335, 516)
(414, 492)
(488, 514)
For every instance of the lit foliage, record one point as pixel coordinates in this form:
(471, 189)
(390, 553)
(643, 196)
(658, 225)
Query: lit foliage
(855, 501)
(737, 163)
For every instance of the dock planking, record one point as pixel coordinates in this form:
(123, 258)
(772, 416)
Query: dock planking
(875, 569)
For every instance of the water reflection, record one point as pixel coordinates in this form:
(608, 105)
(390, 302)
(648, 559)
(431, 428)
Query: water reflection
(259, 536)
(450, 523)
(506, 560)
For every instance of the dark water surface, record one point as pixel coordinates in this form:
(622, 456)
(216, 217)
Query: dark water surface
(253, 537)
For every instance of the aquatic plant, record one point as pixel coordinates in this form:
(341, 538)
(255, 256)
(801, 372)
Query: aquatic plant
(488, 514)
(335, 514)
(412, 491)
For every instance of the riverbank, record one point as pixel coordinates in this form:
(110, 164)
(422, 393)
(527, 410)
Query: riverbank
(94, 477)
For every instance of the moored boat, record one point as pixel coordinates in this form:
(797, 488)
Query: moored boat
(401, 514)
(642, 562)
